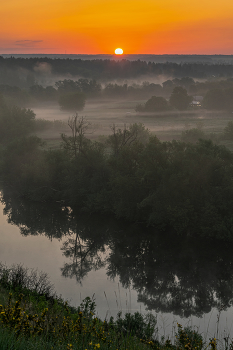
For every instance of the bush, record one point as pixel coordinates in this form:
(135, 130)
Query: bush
(193, 135)
(228, 131)
(141, 326)
(72, 101)
(20, 278)
(15, 122)
(154, 104)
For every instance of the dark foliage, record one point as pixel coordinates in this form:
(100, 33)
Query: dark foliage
(11, 67)
(74, 101)
(183, 186)
(154, 104)
(15, 122)
(180, 99)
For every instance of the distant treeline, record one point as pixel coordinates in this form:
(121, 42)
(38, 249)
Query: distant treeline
(12, 70)
(174, 185)
(72, 94)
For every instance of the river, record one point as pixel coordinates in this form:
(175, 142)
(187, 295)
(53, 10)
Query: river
(126, 267)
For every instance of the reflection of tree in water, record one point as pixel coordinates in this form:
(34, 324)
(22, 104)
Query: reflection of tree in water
(32, 218)
(56, 221)
(87, 245)
(173, 274)
(84, 255)
(186, 276)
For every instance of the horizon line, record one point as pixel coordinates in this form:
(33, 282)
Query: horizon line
(129, 54)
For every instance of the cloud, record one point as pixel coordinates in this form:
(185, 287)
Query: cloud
(27, 43)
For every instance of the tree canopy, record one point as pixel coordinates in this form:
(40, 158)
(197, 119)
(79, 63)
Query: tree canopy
(179, 98)
(74, 101)
(154, 104)
(15, 122)
(177, 185)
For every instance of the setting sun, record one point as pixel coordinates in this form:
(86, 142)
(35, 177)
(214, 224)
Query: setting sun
(118, 51)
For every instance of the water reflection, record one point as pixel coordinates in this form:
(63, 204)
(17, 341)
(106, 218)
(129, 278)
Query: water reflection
(84, 255)
(185, 276)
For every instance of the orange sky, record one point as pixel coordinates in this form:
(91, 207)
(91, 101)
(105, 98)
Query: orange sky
(100, 26)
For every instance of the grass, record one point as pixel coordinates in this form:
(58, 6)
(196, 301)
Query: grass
(60, 327)
(33, 317)
(166, 126)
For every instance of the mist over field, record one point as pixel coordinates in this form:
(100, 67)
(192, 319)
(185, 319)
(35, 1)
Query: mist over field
(141, 93)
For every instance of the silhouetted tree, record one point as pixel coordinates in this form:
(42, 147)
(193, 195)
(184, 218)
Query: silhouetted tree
(180, 99)
(215, 99)
(72, 101)
(154, 104)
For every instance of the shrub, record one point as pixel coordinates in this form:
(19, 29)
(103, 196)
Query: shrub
(72, 101)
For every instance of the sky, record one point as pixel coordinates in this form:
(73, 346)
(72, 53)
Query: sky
(101, 26)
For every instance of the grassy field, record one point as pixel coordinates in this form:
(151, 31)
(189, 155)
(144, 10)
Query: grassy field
(104, 113)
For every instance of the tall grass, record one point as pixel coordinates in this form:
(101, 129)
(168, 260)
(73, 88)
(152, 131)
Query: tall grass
(32, 317)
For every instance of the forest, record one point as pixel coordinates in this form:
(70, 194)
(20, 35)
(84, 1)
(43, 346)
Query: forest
(12, 68)
(27, 83)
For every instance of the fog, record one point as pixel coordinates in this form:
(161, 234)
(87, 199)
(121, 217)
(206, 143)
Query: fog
(102, 114)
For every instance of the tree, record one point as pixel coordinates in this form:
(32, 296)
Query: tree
(193, 135)
(168, 85)
(184, 82)
(152, 88)
(15, 122)
(75, 143)
(72, 101)
(228, 131)
(156, 104)
(66, 86)
(127, 136)
(214, 99)
(180, 99)
(116, 90)
(37, 91)
(88, 87)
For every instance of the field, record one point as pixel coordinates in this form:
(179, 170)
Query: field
(104, 113)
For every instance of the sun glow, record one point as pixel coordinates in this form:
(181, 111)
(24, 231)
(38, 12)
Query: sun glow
(118, 51)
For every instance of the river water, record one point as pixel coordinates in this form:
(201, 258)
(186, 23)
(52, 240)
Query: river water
(126, 267)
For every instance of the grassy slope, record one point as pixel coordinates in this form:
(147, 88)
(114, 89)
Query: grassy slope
(34, 322)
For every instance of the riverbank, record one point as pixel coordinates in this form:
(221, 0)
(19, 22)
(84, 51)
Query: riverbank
(32, 316)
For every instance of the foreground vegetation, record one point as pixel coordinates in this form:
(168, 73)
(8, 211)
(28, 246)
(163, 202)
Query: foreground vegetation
(33, 317)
